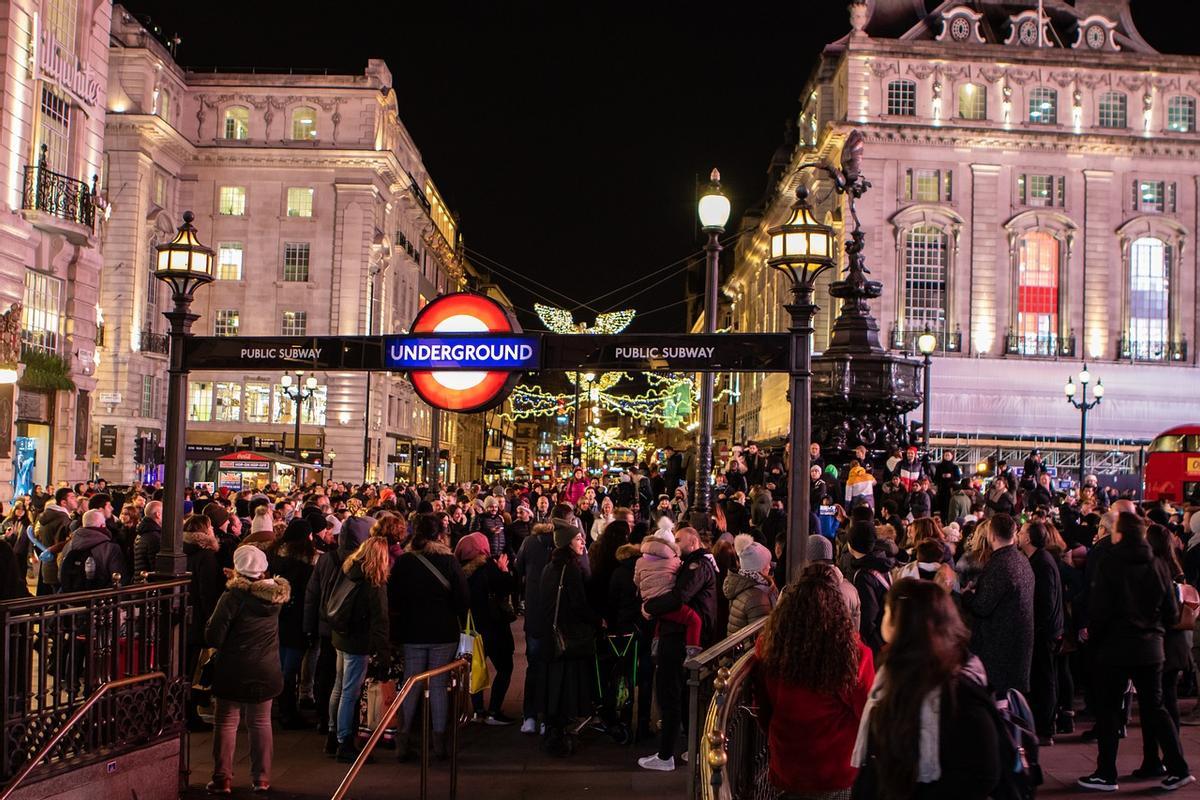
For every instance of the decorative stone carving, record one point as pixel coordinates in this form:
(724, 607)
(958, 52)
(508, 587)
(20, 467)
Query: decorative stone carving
(859, 16)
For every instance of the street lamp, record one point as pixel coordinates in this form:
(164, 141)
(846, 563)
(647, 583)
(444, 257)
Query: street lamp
(713, 210)
(1084, 406)
(185, 265)
(801, 249)
(298, 395)
(926, 343)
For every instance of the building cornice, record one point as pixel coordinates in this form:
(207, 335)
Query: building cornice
(1032, 56)
(963, 138)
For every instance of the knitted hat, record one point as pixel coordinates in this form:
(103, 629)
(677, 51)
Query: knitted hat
(862, 536)
(262, 523)
(471, 547)
(564, 532)
(297, 530)
(666, 525)
(1194, 523)
(952, 532)
(752, 556)
(217, 513)
(250, 561)
(818, 548)
(316, 520)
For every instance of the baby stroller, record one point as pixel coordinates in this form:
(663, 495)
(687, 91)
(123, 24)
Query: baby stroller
(616, 685)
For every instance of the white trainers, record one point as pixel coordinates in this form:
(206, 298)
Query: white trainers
(529, 725)
(657, 764)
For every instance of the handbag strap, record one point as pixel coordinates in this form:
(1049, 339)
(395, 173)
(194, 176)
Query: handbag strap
(558, 596)
(437, 573)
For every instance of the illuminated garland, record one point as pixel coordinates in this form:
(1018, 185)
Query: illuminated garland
(560, 320)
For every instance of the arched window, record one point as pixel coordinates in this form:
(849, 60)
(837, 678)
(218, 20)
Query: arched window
(1181, 114)
(902, 98)
(1037, 294)
(237, 122)
(972, 101)
(164, 104)
(924, 279)
(1043, 106)
(304, 123)
(1149, 334)
(1112, 111)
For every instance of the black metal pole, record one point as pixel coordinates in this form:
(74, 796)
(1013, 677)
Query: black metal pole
(703, 504)
(171, 562)
(801, 310)
(925, 405)
(1083, 409)
(483, 453)
(575, 441)
(433, 473)
(298, 399)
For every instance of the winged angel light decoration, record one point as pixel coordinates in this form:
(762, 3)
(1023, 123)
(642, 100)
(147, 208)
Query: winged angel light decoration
(560, 320)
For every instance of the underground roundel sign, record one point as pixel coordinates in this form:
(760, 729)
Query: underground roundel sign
(465, 390)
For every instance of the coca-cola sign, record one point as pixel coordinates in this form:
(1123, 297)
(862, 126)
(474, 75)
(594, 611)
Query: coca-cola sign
(59, 65)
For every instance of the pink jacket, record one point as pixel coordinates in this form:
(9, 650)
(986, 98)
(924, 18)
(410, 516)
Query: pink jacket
(573, 491)
(654, 572)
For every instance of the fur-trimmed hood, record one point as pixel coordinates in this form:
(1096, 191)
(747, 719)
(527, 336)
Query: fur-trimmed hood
(205, 540)
(431, 548)
(471, 566)
(276, 591)
(628, 551)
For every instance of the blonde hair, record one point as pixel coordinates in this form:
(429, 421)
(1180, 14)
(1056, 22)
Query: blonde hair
(979, 550)
(376, 562)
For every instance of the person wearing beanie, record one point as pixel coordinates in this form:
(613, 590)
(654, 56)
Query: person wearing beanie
(291, 557)
(654, 575)
(565, 532)
(870, 572)
(750, 590)
(226, 541)
(490, 584)
(244, 629)
(819, 550)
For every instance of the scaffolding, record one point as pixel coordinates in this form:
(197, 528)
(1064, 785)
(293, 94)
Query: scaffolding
(1103, 457)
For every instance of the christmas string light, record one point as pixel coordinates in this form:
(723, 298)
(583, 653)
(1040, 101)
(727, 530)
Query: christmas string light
(559, 320)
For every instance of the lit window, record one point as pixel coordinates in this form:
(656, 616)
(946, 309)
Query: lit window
(972, 101)
(41, 312)
(902, 98)
(225, 322)
(164, 105)
(229, 402)
(147, 406)
(237, 122)
(299, 201)
(54, 130)
(927, 185)
(1042, 190)
(1112, 110)
(1157, 196)
(60, 20)
(295, 261)
(1037, 294)
(304, 123)
(229, 261)
(1181, 114)
(200, 400)
(925, 279)
(285, 408)
(1043, 106)
(160, 190)
(295, 323)
(1149, 298)
(258, 402)
(231, 201)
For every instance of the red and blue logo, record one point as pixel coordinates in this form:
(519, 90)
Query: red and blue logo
(441, 336)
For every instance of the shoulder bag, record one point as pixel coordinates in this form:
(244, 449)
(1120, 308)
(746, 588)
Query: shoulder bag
(577, 641)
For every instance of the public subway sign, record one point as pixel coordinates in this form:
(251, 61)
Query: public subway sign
(462, 352)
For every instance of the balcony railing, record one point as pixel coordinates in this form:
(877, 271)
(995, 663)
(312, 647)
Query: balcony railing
(1152, 349)
(58, 195)
(1046, 345)
(906, 340)
(156, 343)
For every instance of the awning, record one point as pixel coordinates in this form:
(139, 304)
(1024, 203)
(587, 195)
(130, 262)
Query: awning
(250, 461)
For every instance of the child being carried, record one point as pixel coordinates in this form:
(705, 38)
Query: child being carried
(654, 575)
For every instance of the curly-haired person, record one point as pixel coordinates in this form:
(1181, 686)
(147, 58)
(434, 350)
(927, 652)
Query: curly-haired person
(812, 677)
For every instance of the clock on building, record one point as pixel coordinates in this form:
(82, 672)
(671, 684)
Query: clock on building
(1027, 33)
(1096, 36)
(960, 29)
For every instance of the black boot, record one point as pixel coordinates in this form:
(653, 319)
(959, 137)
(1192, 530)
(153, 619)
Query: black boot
(347, 752)
(331, 743)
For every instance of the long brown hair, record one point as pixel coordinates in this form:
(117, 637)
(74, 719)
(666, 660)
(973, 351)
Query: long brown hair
(1162, 544)
(809, 638)
(927, 648)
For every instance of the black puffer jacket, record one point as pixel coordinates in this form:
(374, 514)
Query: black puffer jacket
(146, 546)
(425, 610)
(245, 630)
(695, 586)
(297, 571)
(1132, 603)
(871, 576)
(207, 579)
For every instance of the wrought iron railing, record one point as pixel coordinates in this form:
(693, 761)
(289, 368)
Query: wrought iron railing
(156, 343)
(906, 339)
(59, 650)
(59, 195)
(734, 759)
(706, 673)
(1152, 349)
(1045, 345)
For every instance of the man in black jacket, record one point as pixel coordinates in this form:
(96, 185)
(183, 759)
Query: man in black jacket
(91, 559)
(53, 527)
(149, 539)
(870, 572)
(696, 587)
(1047, 628)
(530, 562)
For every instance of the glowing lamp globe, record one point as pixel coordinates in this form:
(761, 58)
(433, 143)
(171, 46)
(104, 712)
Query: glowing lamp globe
(713, 207)
(802, 246)
(184, 263)
(927, 342)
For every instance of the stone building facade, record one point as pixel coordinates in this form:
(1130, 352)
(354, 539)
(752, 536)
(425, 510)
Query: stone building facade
(325, 221)
(1035, 197)
(53, 69)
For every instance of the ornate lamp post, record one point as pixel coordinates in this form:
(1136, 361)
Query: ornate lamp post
(713, 210)
(926, 343)
(299, 394)
(185, 265)
(801, 249)
(1084, 406)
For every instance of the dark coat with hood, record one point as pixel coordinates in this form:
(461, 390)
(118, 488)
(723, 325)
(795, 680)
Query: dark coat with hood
(367, 630)
(207, 579)
(531, 561)
(871, 576)
(146, 545)
(1132, 603)
(354, 532)
(244, 628)
(623, 606)
(485, 583)
(53, 526)
(1001, 617)
(106, 553)
(297, 571)
(696, 587)
(424, 609)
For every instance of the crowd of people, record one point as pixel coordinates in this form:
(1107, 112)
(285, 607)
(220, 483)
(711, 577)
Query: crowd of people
(929, 604)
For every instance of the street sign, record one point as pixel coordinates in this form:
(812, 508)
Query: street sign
(462, 352)
(108, 441)
(672, 352)
(110, 398)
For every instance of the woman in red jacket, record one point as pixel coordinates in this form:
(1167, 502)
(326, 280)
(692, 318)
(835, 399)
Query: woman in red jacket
(812, 679)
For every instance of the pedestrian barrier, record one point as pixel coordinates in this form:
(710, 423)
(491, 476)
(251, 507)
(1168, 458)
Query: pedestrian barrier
(83, 658)
(459, 671)
(708, 672)
(733, 758)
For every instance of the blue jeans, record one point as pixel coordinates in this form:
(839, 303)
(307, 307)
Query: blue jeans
(419, 658)
(343, 701)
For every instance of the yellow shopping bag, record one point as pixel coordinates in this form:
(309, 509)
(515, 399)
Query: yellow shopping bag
(480, 677)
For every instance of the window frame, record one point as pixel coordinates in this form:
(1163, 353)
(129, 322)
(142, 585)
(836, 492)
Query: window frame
(42, 304)
(229, 197)
(1142, 347)
(908, 320)
(303, 209)
(292, 265)
(1042, 93)
(901, 97)
(289, 319)
(978, 95)
(304, 131)
(1112, 108)
(229, 247)
(231, 114)
(1189, 112)
(226, 322)
(200, 401)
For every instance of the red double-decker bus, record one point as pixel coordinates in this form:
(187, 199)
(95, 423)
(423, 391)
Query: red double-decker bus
(1173, 465)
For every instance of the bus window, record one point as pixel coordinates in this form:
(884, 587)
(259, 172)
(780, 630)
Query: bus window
(1167, 444)
(1191, 443)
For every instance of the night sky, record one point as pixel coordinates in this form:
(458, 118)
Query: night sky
(569, 137)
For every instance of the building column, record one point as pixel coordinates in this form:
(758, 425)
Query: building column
(988, 251)
(1102, 294)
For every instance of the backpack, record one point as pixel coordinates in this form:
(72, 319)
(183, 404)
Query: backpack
(338, 600)
(1020, 770)
(78, 572)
